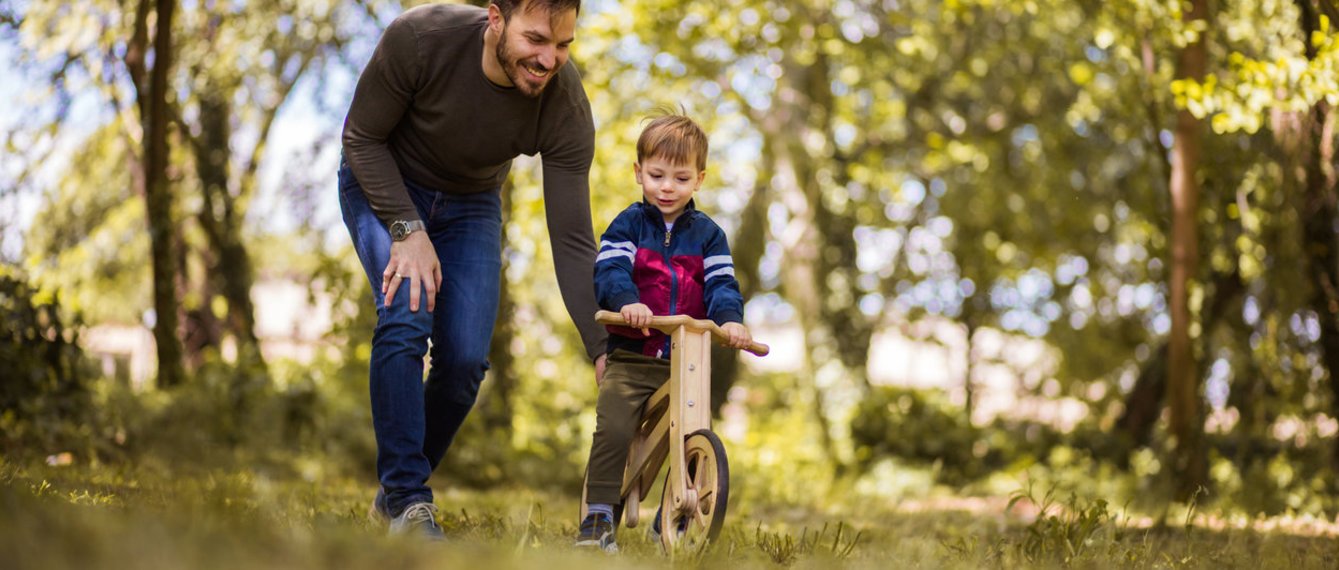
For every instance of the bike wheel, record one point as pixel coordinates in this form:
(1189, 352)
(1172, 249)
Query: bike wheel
(707, 472)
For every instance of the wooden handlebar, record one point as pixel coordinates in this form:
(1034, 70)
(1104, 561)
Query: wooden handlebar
(668, 324)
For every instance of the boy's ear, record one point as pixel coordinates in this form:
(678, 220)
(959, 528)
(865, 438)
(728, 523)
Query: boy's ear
(637, 169)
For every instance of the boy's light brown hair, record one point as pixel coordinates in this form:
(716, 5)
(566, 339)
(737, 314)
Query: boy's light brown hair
(673, 136)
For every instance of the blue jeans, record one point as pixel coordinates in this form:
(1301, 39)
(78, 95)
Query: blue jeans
(415, 420)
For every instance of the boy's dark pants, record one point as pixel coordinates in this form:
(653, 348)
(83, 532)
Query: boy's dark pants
(629, 380)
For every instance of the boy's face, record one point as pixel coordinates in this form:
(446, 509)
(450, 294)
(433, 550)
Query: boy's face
(667, 185)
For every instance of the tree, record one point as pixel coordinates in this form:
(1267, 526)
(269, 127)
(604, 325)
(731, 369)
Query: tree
(151, 94)
(1187, 422)
(227, 85)
(1309, 136)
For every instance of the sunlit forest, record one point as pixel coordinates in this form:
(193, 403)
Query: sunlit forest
(1048, 283)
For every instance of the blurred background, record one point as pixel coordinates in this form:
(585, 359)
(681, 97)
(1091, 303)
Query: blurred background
(1085, 244)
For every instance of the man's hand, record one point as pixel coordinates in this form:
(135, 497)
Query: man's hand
(638, 316)
(739, 335)
(413, 260)
(599, 370)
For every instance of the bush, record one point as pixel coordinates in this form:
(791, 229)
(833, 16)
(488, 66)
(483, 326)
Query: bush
(44, 396)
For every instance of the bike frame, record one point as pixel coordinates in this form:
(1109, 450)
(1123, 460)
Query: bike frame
(681, 407)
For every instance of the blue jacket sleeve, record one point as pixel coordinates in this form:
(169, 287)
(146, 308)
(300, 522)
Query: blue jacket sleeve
(721, 294)
(614, 287)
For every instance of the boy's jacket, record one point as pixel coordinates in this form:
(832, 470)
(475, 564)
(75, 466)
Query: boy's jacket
(685, 271)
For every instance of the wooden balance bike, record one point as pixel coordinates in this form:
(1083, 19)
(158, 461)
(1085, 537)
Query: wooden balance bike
(676, 424)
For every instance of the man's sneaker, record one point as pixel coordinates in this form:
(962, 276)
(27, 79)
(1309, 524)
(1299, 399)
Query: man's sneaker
(598, 531)
(418, 518)
(380, 512)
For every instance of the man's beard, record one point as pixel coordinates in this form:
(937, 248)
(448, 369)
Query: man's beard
(512, 67)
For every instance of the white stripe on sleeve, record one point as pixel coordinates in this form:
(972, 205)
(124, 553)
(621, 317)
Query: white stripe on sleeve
(724, 271)
(624, 245)
(614, 254)
(716, 260)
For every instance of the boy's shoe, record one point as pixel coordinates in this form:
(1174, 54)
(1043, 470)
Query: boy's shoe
(417, 518)
(653, 532)
(597, 530)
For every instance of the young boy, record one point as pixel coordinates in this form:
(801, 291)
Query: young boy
(660, 256)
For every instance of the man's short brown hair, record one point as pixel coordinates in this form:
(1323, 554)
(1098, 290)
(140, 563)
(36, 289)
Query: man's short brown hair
(550, 7)
(673, 136)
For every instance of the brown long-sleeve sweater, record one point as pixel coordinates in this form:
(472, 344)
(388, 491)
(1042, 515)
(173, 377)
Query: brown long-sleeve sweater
(424, 111)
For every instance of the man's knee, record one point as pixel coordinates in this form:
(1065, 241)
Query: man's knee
(403, 331)
(456, 377)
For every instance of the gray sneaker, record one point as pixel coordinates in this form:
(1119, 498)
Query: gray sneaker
(418, 518)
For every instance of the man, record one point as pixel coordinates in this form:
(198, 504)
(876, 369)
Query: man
(451, 95)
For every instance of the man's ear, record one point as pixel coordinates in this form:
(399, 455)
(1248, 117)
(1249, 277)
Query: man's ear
(495, 21)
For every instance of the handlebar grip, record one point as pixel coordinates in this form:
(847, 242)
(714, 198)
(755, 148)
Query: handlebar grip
(667, 324)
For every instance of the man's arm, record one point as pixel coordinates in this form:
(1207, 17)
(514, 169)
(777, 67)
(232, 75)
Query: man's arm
(567, 212)
(567, 149)
(383, 94)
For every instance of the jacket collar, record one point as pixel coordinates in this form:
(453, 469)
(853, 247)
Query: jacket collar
(652, 212)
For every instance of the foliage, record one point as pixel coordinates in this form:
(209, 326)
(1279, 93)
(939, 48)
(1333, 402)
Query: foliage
(785, 549)
(45, 396)
(1070, 533)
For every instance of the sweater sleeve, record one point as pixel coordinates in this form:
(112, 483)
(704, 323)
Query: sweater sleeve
(567, 154)
(383, 94)
(725, 304)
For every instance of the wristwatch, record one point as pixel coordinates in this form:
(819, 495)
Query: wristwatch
(400, 229)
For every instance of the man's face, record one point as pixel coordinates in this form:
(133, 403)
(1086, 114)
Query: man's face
(534, 45)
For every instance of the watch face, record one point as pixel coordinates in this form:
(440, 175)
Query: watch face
(399, 230)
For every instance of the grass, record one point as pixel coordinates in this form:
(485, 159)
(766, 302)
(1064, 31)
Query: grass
(151, 517)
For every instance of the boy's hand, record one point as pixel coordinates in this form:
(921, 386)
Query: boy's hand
(739, 335)
(638, 316)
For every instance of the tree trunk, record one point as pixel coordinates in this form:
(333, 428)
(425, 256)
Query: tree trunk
(746, 249)
(1315, 148)
(969, 362)
(1188, 459)
(1143, 405)
(820, 262)
(229, 266)
(158, 200)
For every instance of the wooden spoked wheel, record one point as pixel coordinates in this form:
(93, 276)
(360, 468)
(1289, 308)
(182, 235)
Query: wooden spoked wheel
(707, 472)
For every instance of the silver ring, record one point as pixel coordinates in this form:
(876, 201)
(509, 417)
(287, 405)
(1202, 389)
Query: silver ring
(398, 276)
